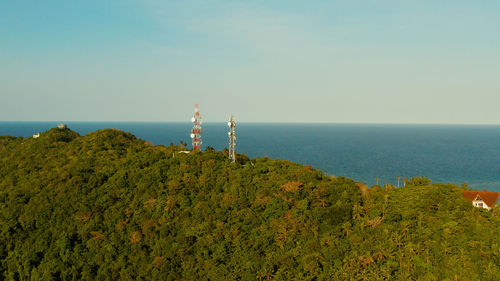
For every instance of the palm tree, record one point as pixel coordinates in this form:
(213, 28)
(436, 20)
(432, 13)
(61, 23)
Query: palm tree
(399, 177)
(405, 180)
(377, 179)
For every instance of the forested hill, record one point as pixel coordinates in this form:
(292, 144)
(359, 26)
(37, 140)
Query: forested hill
(108, 206)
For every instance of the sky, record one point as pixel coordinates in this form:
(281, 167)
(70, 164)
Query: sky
(348, 61)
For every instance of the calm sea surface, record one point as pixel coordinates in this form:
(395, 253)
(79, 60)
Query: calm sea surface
(443, 153)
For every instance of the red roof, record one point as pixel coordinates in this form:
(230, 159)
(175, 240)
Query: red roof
(489, 198)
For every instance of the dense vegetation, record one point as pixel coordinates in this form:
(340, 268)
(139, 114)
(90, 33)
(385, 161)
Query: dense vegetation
(108, 206)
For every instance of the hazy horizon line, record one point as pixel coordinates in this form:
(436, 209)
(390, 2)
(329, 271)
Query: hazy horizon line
(257, 122)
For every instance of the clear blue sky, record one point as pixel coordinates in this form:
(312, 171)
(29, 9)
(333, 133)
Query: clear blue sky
(367, 61)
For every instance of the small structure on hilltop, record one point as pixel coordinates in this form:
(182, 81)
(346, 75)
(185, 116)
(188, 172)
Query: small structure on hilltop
(232, 139)
(196, 131)
(61, 126)
(482, 199)
(35, 136)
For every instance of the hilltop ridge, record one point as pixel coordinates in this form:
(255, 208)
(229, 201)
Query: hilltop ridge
(110, 206)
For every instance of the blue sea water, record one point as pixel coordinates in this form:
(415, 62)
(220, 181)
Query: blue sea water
(443, 153)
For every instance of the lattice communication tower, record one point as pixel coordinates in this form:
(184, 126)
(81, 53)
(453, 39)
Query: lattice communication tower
(232, 139)
(196, 131)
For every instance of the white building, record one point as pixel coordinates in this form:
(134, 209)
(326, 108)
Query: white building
(482, 199)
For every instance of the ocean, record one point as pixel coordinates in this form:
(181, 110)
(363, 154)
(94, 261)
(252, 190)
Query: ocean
(443, 153)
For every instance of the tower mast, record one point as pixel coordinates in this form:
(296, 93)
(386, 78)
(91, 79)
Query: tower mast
(196, 131)
(232, 139)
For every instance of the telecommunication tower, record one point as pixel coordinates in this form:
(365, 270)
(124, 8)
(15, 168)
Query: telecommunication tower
(232, 139)
(196, 131)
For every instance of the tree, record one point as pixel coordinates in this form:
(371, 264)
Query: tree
(419, 181)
